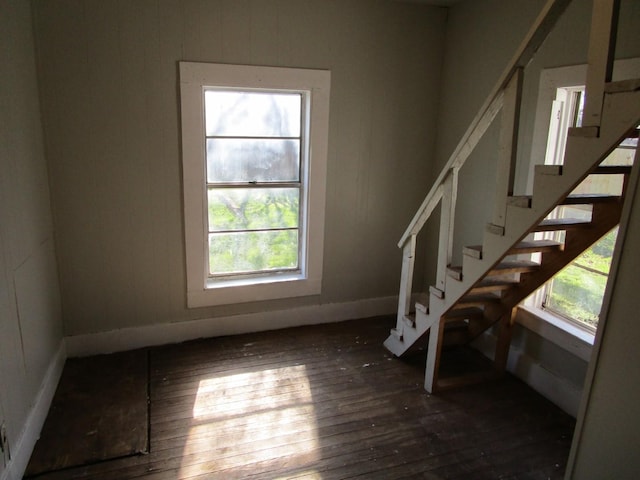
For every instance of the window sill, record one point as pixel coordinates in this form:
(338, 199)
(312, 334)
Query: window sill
(253, 289)
(569, 337)
(255, 280)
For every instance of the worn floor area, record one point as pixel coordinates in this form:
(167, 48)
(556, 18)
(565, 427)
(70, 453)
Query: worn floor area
(329, 402)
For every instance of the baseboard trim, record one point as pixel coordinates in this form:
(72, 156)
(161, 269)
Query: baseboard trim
(558, 390)
(166, 333)
(23, 447)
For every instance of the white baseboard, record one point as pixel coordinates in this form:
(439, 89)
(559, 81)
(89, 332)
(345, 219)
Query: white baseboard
(23, 447)
(161, 334)
(558, 390)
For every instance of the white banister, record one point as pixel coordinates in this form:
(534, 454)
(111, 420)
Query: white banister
(530, 44)
(504, 96)
(460, 155)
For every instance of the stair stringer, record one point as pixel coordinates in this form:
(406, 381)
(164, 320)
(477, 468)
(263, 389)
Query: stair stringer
(621, 113)
(402, 340)
(606, 216)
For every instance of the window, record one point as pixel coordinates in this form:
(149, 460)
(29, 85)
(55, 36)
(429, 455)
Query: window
(254, 143)
(254, 190)
(575, 294)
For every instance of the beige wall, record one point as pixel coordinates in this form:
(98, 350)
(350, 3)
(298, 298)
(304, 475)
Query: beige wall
(30, 320)
(109, 94)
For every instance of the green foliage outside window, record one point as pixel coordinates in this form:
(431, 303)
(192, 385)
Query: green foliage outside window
(237, 243)
(577, 291)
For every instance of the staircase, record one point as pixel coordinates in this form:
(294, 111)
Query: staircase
(496, 276)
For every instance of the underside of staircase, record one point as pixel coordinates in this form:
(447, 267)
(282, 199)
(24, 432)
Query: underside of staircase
(512, 261)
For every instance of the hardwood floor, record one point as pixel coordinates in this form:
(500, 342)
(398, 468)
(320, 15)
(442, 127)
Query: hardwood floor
(328, 402)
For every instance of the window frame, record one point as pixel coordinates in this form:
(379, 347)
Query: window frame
(314, 85)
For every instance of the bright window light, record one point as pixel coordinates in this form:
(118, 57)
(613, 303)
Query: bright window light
(247, 409)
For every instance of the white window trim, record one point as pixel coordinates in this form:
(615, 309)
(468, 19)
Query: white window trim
(194, 77)
(554, 328)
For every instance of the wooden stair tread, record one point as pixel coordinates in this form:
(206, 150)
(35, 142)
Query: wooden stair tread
(531, 246)
(515, 266)
(552, 224)
(475, 299)
(525, 201)
(536, 246)
(492, 285)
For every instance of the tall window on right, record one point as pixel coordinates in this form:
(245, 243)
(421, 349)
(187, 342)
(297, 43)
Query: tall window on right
(575, 294)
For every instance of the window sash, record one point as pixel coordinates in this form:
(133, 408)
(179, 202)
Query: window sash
(258, 184)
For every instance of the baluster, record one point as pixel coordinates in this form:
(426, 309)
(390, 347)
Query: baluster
(508, 147)
(447, 220)
(406, 280)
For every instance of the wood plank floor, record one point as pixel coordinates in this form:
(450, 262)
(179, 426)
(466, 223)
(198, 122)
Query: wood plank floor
(116, 425)
(328, 402)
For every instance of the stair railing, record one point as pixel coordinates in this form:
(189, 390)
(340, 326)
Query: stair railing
(505, 97)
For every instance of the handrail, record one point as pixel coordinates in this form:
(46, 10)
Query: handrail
(545, 21)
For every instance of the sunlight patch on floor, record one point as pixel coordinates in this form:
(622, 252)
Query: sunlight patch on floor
(265, 417)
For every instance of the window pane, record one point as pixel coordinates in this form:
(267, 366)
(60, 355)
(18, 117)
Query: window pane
(252, 114)
(248, 160)
(246, 252)
(577, 293)
(253, 208)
